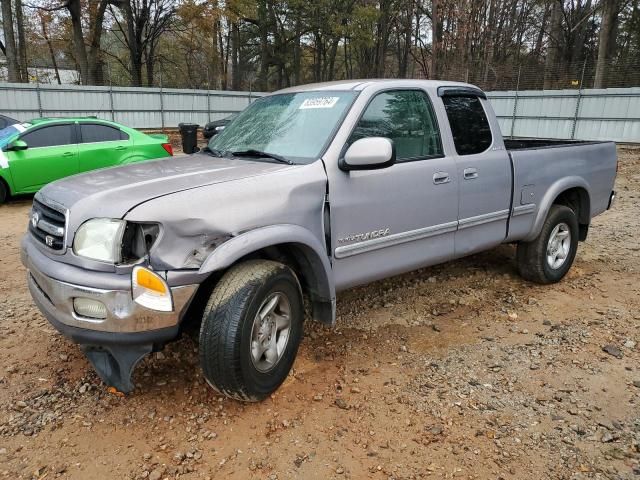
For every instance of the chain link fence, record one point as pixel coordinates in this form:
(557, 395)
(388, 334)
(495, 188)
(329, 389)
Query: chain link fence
(538, 76)
(525, 75)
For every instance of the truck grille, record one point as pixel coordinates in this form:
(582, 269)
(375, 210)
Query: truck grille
(47, 225)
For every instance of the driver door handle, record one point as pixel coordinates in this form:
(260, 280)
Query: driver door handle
(441, 177)
(68, 154)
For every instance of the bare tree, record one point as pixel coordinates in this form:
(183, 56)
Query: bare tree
(10, 41)
(146, 21)
(610, 12)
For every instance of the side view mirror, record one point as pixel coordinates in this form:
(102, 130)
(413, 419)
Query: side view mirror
(369, 154)
(18, 145)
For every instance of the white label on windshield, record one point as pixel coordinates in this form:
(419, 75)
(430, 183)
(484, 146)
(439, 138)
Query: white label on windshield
(4, 161)
(319, 102)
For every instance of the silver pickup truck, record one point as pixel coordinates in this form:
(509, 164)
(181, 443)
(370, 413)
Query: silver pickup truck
(311, 190)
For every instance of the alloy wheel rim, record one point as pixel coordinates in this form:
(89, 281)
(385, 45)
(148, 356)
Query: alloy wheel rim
(270, 332)
(558, 246)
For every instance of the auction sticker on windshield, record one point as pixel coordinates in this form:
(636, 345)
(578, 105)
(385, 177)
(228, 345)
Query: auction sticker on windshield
(319, 102)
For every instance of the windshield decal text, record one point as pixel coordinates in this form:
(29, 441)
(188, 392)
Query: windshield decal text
(319, 102)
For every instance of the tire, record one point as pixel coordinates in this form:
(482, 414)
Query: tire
(4, 192)
(231, 343)
(539, 261)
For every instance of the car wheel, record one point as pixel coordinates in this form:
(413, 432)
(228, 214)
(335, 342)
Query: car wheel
(548, 258)
(4, 192)
(251, 329)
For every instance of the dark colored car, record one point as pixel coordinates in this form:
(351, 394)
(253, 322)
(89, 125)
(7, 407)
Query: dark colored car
(6, 121)
(216, 126)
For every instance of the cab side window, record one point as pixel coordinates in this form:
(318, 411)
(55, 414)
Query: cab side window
(92, 133)
(52, 136)
(407, 118)
(469, 125)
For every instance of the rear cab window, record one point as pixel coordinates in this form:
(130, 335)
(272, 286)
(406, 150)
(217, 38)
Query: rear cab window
(469, 124)
(95, 132)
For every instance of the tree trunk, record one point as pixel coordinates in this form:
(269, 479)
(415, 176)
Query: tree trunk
(135, 54)
(94, 61)
(383, 38)
(22, 43)
(436, 37)
(78, 40)
(297, 51)
(610, 10)
(10, 42)
(553, 46)
(263, 75)
(236, 73)
(45, 34)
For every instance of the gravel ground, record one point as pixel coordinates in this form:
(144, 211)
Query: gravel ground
(457, 371)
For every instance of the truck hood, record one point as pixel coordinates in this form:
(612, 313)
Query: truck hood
(112, 192)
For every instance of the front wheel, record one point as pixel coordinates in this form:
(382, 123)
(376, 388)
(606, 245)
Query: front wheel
(548, 257)
(4, 192)
(251, 329)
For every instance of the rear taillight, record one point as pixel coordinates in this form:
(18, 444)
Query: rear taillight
(168, 148)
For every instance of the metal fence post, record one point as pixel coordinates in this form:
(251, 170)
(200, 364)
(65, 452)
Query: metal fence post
(161, 103)
(208, 95)
(113, 113)
(578, 100)
(515, 103)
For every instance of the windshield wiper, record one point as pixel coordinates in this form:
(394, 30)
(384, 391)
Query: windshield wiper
(217, 153)
(258, 153)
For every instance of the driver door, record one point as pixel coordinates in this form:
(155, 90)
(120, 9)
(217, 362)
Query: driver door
(52, 153)
(403, 217)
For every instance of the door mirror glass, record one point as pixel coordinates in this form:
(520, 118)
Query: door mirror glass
(368, 154)
(18, 145)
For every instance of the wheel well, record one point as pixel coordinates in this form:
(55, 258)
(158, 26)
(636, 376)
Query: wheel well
(296, 256)
(578, 200)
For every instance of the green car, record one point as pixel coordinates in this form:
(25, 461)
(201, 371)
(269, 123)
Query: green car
(35, 153)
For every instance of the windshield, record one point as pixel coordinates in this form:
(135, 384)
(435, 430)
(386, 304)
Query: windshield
(296, 126)
(7, 133)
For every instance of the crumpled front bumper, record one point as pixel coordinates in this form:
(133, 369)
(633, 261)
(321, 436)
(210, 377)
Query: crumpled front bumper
(115, 344)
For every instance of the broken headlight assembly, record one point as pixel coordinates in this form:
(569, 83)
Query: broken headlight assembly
(115, 241)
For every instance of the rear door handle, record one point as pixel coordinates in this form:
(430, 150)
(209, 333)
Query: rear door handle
(441, 177)
(470, 173)
(121, 147)
(68, 154)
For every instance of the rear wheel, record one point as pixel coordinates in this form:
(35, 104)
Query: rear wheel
(251, 329)
(548, 257)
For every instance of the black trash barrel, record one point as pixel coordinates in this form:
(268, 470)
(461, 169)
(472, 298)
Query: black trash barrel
(189, 134)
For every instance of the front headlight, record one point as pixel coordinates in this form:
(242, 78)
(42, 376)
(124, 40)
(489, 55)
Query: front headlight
(100, 239)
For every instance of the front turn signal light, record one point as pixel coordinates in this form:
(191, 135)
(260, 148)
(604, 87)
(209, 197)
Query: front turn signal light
(150, 290)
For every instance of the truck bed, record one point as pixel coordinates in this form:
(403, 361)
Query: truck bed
(523, 143)
(542, 169)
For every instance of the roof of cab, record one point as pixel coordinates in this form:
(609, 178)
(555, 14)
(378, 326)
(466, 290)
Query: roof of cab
(359, 85)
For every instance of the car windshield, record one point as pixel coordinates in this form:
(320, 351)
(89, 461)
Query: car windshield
(7, 133)
(295, 126)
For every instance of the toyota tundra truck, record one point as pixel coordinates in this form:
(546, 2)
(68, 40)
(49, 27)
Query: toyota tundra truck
(309, 191)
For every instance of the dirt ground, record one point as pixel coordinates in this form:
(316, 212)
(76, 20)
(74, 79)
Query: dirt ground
(458, 371)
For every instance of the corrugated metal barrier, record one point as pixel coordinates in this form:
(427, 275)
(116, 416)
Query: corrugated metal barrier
(590, 114)
(607, 114)
(135, 107)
